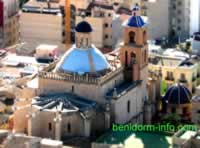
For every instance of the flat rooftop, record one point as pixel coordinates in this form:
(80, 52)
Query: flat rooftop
(34, 6)
(123, 88)
(137, 139)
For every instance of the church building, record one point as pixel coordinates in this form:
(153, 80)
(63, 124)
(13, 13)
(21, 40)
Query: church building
(85, 91)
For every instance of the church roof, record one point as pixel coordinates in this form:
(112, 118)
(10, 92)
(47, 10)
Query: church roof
(83, 27)
(64, 102)
(78, 60)
(178, 94)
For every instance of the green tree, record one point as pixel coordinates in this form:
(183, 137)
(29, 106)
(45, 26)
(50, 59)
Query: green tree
(173, 119)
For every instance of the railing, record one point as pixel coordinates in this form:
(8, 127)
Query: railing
(110, 75)
(182, 80)
(78, 78)
(65, 77)
(169, 78)
(50, 66)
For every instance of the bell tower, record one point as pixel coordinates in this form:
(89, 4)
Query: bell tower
(134, 51)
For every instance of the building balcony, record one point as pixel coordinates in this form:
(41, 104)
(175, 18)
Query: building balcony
(169, 78)
(182, 80)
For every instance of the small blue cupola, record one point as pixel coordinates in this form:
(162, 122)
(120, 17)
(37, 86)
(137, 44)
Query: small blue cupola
(136, 20)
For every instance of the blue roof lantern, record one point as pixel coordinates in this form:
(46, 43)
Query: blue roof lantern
(83, 27)
(136, 8)
(135, 20)
(178, 94)
(77, 60)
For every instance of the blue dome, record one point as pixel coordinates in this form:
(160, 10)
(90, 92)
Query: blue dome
(136, 21)
(178, 94)
(82, 61)
(84, 27)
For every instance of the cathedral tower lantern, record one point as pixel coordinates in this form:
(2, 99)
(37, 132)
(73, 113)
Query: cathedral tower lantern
(83, 35)
(134, 52)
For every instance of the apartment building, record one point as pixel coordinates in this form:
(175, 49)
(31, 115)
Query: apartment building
(157, 12)
(180, 19)
(9, 22)
(47, 21)
(174, 18)
(176, 70)
(42, 23)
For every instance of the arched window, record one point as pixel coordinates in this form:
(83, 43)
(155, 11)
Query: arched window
(115, 82)
(173, 110)
(128, 106)
(145, 56)
(87, 42)
(185, 110)
(69, 127)
(144, 37)
(81, 42)
(132, 37)
(126, 58)
(50, 126)
(72, 89)
(133, 58)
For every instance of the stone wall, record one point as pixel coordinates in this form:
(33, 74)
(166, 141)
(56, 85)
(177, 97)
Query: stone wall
(76, 123)
(95, 91)
(72, 124)
(20, 116)
(120, 107)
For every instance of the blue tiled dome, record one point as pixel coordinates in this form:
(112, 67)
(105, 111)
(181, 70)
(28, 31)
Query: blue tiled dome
(136, 21)
(178, 94)
(84, 27)
(82, 61)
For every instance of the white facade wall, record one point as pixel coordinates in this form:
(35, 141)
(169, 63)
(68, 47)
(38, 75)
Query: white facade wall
(158, 18)
(195, 16)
